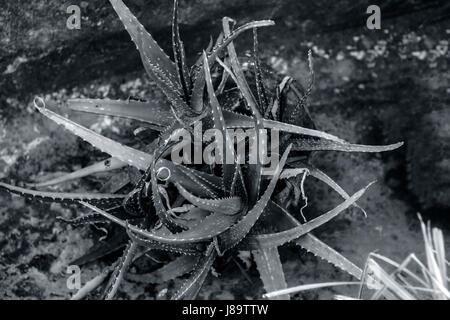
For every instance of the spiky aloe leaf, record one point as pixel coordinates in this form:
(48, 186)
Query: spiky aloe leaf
(120, 269)
(238, 184)
(133, 204)
(139, 159)
(315, 246)
(254, 170)
(212, 226)
(319, 145)
(299, 112)
(182, 248)
(280, 95)
(193, 217)
(101, 166)
(198, 65)
(225, 75)
(91, 218)
(205, 184)
(320, 249)
(116, 241)
(236, 120)
(270, 270)
(157, 64)
(260, 88)
(273, 219)
(174, 269)
(239, 74)
(119, 180)
(227, 206)
(199, 76)
(280, 238)
(156, 114)
(185, 248)
(133, 157)
(104, 200)
(237, 232)
(200, 183)
(278, 219)
(179, 55)
(227, 148)
(192, 286)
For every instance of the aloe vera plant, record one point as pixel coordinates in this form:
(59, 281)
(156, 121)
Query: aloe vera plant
(198, 213)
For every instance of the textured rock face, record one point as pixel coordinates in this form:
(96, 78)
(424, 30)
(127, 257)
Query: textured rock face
(429, 160)
(38, 51)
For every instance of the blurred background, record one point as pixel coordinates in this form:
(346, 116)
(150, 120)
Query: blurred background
(372, 87)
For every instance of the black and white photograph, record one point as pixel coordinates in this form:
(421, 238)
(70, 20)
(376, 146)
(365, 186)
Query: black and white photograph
(238, 150)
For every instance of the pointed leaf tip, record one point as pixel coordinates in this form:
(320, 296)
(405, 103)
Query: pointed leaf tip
(39, 100)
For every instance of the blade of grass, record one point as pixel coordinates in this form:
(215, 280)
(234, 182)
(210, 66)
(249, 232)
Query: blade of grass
(306, 287)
